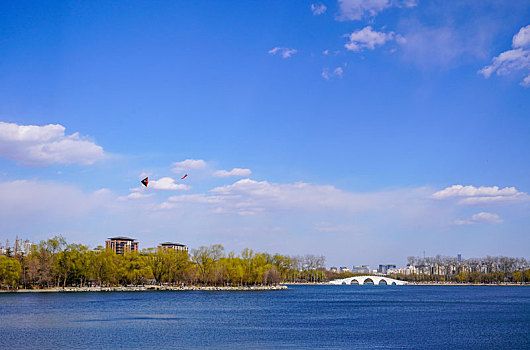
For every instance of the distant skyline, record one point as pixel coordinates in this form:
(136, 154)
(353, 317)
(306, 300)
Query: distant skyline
(365, 131)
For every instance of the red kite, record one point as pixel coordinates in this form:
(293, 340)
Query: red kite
(145, 181)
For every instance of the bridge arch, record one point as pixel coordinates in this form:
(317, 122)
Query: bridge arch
(376, 280)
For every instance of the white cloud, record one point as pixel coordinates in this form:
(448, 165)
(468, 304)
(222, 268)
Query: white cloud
(367, 38)
(233, 172)
(359, 9)
(507, 62)
(318, 9)
(249, 196)
(189, 164)
(480, 218)
(522, 38)
(167, 184)
(285, 52)
(136, 195)
(478, 195)
(325, 52)
(336, 73)
(517, 59)
(33, 145)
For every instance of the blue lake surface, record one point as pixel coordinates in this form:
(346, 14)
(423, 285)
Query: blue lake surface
(302, 317)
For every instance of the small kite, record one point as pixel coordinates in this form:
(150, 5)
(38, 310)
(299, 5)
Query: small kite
(145, 181)
(184, 176)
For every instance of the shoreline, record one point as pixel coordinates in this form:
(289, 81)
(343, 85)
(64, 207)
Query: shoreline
(421, 284)
(146, 288)
(467, 284)
(282, 286)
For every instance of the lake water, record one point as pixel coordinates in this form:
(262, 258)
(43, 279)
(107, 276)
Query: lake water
(302, 317)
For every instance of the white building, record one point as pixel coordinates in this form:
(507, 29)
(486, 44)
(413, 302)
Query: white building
(360, 269)
(27, 247)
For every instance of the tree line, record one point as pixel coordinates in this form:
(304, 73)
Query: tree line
(491, 269)
(57, 263)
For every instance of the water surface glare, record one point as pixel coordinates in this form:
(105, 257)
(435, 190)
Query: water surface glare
(302, 317)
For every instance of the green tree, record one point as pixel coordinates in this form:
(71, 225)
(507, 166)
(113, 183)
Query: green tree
(103, 266)
(517, 276)
(134, 269)
(179, 265)
(205, 259)
(71, 263)
(160, 264)
(9, 272)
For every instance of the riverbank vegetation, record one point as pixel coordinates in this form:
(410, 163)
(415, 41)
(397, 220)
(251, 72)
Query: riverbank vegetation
(57, 263)
(491, 269)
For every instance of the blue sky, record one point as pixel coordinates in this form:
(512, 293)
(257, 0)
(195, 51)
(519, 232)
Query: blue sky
(366, 131)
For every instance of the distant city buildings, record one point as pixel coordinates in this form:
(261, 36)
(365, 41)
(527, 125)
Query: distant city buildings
(409, 270)
(384, 268)
(360, 269)
(333, 269)
(344, 269)
(21, 247)
(121, 245)
(166, 246)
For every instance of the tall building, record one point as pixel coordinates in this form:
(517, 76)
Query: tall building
(459, 258)
(27, 247)
(175, 246)
(384, 268)
(19, 247)
(121, 245)
(361, 269)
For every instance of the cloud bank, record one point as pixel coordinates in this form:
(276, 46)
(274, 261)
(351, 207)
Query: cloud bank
(481, 195)
(32, 145)
(247, 196)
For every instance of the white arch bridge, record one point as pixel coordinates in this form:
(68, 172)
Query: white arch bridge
(360, 280)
